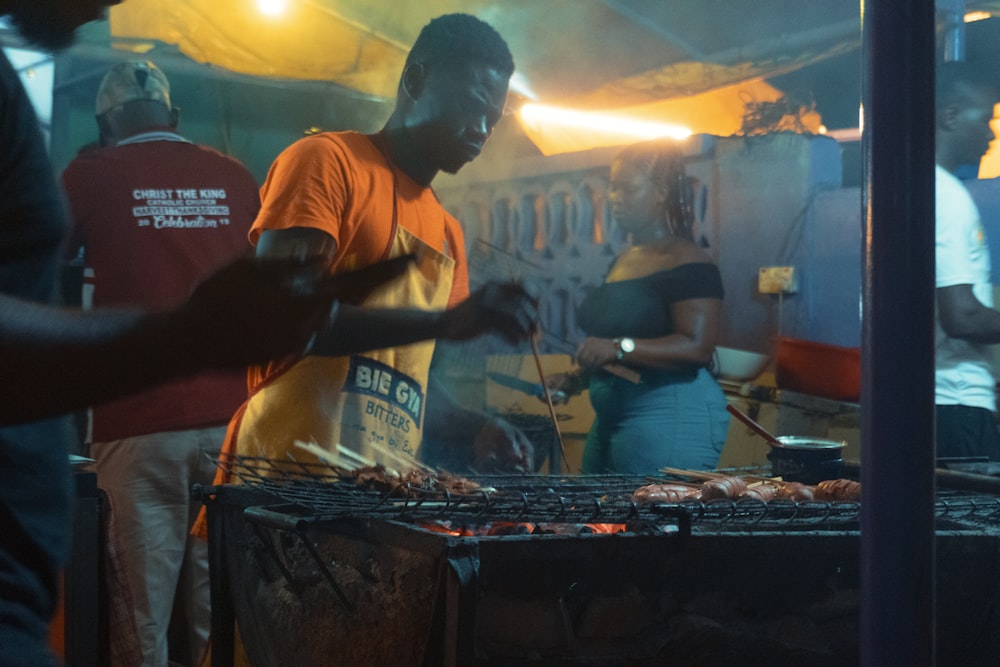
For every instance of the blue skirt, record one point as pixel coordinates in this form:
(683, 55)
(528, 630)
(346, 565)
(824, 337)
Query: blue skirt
(639, 428)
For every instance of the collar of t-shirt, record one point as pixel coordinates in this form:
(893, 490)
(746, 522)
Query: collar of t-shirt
(164, 134)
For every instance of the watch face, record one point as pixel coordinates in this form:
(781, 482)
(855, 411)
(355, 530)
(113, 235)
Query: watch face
(627, 344)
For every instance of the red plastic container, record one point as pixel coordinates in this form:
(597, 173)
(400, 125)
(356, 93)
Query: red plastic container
(819, 369)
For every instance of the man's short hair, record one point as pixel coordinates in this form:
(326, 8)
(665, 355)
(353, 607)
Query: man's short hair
(457, 38)
(954, 81)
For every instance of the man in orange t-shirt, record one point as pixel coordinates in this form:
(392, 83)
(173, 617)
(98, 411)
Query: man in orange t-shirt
(355, 199)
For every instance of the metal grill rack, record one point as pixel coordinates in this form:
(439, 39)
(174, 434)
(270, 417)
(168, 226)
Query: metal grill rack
(333, 492)
(304, 556)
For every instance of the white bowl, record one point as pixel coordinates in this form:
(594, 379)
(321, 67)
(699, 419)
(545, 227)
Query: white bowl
(742, 365)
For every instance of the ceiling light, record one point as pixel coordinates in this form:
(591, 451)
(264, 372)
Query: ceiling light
(976, 16)
(610, 123)
(272, 7)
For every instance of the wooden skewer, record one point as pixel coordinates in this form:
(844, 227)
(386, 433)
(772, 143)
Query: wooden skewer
(707, 474)
(325, 456)
(548, 402)
(624, 372)
(695, 474)
(655, 482)
(351, 454)
(400, 457)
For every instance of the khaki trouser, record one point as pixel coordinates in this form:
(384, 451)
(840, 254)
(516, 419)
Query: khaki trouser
(148, 480)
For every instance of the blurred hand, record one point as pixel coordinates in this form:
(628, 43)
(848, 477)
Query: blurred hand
(504, 308)
(561, 387)
(501, 447)
(255, 310)
(595, 352)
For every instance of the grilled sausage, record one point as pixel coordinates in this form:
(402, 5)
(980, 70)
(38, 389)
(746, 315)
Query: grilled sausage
(723, 487)
(762, 492)
(796, 491)
(664, 493)
(838, 489)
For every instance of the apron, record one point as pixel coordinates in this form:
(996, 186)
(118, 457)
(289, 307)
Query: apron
(365, 402)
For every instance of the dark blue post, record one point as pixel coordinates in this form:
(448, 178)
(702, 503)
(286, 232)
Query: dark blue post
(897, 426)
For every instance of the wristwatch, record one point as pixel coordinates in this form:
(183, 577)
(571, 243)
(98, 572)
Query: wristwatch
(622, 347)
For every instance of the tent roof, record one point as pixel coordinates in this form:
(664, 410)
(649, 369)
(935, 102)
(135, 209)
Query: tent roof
(651, 58)
(564, 48)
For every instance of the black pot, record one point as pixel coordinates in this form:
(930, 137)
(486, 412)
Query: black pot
(806, 460)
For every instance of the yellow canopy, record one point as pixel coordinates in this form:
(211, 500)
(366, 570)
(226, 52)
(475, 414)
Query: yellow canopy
(361, 45)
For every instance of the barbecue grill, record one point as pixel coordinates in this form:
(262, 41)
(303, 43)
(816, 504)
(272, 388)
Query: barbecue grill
(319, 570)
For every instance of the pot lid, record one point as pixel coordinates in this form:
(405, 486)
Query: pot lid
(806, 442)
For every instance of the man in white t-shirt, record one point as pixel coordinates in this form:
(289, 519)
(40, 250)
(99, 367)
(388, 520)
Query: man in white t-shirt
(967, 323)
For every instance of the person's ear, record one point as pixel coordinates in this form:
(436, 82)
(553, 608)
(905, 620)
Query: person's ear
(414, 78)
(104, 130)
(947, 117)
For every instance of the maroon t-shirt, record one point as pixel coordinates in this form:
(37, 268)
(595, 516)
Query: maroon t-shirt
(156, 215)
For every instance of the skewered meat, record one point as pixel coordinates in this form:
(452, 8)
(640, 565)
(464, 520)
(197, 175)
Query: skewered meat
(762, 492)
(441, 481)
(380, 478)
(665, 493)
(796, 491)
(838, 489)
(723, 487)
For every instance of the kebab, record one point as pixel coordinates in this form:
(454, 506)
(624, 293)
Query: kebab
(365, 472)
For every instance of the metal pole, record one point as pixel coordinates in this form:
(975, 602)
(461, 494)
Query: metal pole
(897, 526)
(954, 29)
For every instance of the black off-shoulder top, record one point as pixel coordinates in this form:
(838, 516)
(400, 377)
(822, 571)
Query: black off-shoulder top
(640, 307)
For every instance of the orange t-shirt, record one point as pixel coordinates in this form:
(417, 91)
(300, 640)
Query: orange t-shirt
(342, 184)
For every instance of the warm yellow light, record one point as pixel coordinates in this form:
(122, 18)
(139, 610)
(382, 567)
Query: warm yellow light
(609, 123)
(272, 7)
(976, 16)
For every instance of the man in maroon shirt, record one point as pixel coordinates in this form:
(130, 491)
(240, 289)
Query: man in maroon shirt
(155, 214)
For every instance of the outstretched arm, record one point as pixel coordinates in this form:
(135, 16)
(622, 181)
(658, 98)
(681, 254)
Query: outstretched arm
(59, 359)
(506, 309)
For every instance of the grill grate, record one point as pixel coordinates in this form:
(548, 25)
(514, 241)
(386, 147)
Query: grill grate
(318, 488)
(321, 489)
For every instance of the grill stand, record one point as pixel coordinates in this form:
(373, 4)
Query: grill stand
(260, 517)
(461, 584)
(223, 621)
(458, 594)
(475, 597)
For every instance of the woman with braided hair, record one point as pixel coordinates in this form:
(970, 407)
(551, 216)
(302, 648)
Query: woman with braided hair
(658, 312)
